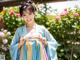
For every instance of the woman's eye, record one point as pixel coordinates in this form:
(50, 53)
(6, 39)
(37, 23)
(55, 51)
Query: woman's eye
(24, 15)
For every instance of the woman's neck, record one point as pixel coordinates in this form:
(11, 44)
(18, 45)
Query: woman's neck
(30, 26)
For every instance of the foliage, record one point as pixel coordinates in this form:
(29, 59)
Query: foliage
(4, 42)
(65, 27)
(11, 18)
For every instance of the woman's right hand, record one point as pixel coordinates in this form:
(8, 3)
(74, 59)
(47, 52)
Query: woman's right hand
(21, 42)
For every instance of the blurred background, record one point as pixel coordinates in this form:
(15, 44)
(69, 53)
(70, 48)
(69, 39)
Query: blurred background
(60, 17)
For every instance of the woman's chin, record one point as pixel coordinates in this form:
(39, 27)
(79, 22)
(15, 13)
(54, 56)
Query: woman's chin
(29, 22)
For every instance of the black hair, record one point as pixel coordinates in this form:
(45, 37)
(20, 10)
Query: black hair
(25, 5)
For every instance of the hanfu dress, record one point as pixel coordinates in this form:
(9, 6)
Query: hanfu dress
(33, 49)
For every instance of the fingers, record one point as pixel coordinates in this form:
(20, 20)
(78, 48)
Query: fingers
(21, 39)
(43, 40)
(21, 42)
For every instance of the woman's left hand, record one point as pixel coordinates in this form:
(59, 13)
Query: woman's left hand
(41, 39)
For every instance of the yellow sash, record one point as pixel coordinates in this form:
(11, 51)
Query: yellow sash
(29, 50)
(21, 53)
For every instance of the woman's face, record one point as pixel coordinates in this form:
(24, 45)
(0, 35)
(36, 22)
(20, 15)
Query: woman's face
(28, 16)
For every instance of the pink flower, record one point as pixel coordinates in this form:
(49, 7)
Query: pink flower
(2, 34)
(76, 14)
(58, 17)
(8, 33)
(17, 14)
(65, 9)
(5, 31)
(12, 12)
(5, 41)
(64, 13)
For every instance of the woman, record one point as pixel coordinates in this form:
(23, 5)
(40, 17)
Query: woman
(32, 41)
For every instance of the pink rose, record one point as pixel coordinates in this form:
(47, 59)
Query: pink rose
(76, 14)
(17, 14)
(58, 17)
(8, 33)
(5, 41)
(2, 34)
(64, 13)
(5, 31)
(65, 9)
(12, 12)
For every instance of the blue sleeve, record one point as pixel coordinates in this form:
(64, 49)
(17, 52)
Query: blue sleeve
(14, 51)
(52, 45)
(15, 38)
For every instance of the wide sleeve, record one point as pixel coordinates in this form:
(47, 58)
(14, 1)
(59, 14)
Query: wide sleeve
(14, 51)
(52, 45)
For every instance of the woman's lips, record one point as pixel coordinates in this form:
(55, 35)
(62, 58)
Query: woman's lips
(28, 20)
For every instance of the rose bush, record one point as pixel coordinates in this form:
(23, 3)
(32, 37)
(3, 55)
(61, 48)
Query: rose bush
(65, 27)
(5, 36)
(11, 18)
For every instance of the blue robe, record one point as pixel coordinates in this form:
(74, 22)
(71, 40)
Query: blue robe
(50, 48)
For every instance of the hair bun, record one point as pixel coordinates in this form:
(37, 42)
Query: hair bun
(26, 4)
(30, 1)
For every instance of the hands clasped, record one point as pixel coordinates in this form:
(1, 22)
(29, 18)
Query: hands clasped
(39, 37)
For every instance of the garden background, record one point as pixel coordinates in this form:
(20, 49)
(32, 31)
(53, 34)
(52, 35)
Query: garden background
(64, 26)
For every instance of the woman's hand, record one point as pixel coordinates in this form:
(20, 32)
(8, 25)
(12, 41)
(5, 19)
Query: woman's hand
(21, 42)
(41, 39)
